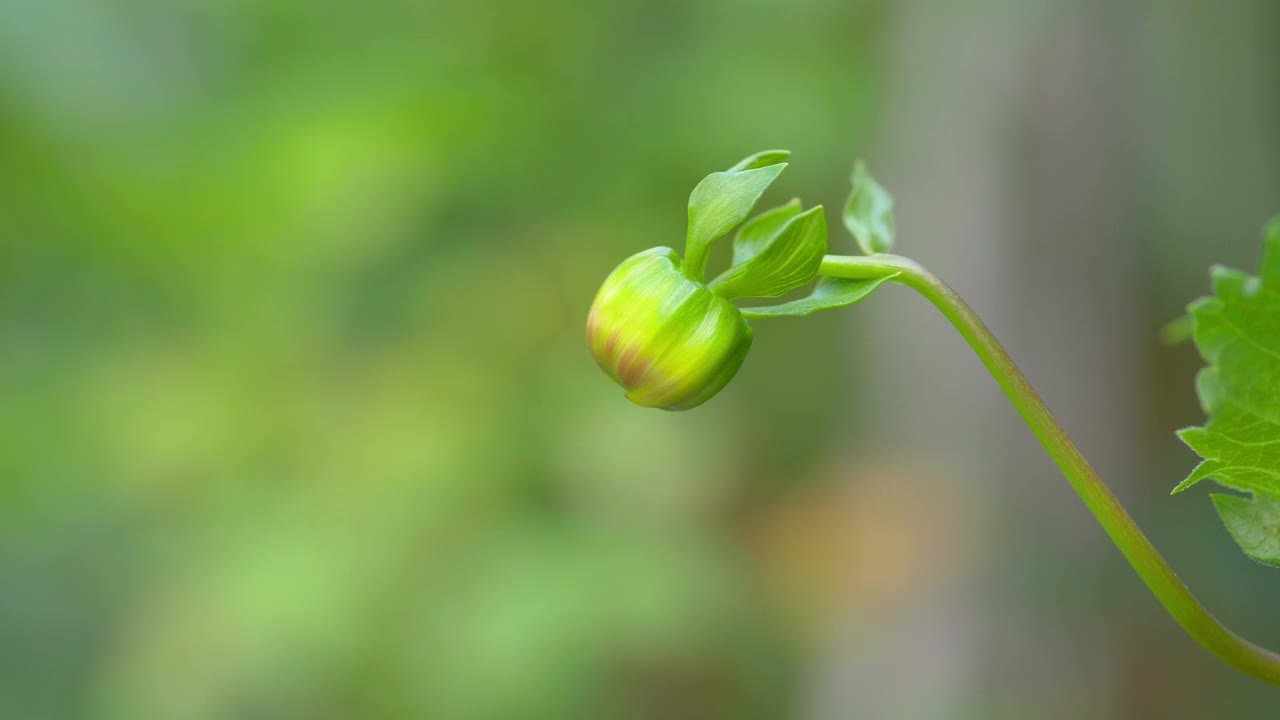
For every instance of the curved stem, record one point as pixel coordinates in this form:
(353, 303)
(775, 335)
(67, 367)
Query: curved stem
(1124, 532)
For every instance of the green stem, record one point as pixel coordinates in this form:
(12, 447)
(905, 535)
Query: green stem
(1124, 532)
(695, 260)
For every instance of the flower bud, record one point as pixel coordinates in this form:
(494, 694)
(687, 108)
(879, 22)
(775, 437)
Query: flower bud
(668, 340)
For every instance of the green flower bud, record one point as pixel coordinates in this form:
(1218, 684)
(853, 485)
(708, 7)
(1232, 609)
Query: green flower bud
(667, 339)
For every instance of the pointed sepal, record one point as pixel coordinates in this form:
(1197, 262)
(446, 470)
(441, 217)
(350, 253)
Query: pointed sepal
(789, 258)
(868, 214)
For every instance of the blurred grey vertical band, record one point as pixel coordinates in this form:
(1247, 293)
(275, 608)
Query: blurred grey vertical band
(1005, 191)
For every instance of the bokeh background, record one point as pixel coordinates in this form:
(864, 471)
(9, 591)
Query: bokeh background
(297, 419)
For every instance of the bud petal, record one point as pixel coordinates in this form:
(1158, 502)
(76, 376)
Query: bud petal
(668, 340)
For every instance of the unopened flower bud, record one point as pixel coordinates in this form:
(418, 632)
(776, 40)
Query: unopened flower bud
(667, 339)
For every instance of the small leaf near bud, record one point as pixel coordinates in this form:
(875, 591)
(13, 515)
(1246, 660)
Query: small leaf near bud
(755, 235)
(724, 199)
(668, 340)
(789, 259)
(869, 213)
(827, 294)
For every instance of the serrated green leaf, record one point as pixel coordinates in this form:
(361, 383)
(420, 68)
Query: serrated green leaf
(721, 201)
(755, 235)
(869, 213)
(1253, 523)
(1242, 451)
(789, 260)
(827, 294)
(1237, 332)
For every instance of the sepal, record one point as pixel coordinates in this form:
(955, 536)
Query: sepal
(828, 294)
(787, 259)
(724, 199)
(868, 214)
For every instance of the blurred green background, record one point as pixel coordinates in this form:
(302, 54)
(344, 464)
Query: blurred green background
(297, 419)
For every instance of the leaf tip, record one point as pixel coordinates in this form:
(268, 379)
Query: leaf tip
(1177, 331)
(1225, 499)
(868, 213)
(1271, 230)
(764, 158)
